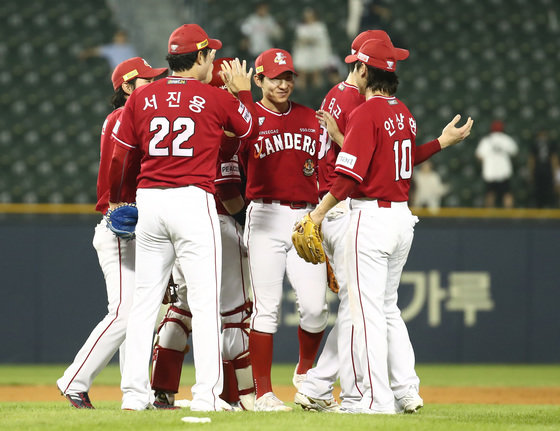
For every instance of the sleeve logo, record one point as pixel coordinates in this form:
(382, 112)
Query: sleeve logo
(346, 160)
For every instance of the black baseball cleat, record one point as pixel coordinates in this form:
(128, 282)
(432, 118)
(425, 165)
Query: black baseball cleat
(79, 400)
(158, 405)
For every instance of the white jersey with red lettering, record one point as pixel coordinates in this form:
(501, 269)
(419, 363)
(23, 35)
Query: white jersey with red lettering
(378, 152)
(116, 258)
(282, 186)
(177, 124)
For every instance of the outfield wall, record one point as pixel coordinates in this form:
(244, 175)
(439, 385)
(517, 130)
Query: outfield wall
(474, 289)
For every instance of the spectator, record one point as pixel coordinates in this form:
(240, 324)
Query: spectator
(115, 53)
(260, 30)
(543, 163)
(495, 151)
(312, 49)
(429, 187)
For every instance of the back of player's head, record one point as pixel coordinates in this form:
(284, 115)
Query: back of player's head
(359, 40)
(133, 68)
(184, 45)
(274, 62)
(129, 71)
(380, 57)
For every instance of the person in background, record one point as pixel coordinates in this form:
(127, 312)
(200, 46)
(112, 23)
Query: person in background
(312, 49)
(260, 30)
(116, 52)
(429, 189)
(543, 163)
(495, 151)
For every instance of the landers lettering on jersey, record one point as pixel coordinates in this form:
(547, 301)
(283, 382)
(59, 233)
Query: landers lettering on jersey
(284, 141)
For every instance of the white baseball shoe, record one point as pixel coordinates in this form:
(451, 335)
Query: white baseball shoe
(298, 379)
(316, 404)
(219, 406)
(270, 403)
(410, 402)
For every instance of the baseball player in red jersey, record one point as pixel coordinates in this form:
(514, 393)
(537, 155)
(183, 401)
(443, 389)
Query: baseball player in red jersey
(339, 358)
(116, 256)
(282, 187)
(176, 124)
(375, 167)
(235, 304)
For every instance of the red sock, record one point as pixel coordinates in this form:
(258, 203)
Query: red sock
(260, 348)
(308, 347)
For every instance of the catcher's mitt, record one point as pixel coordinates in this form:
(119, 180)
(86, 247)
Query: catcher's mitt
(122, 220)
(331, 279)
(308, 240)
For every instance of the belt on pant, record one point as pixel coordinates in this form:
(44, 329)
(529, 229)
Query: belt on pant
(293, 205)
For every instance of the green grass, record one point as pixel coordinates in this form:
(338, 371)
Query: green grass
(430, 375)
(59, 416)
(433, 417)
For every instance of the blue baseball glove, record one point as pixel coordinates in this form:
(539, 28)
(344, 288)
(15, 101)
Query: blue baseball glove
(122, 220)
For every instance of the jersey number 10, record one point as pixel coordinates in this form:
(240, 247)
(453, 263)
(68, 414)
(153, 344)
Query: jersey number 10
(403, 161)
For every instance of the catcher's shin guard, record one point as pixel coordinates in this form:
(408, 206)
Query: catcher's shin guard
(169, 350)
(245, 382)
(239, 373)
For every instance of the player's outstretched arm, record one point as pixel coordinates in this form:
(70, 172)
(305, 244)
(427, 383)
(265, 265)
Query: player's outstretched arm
(451, 135)
(236, 77)
(327, 121)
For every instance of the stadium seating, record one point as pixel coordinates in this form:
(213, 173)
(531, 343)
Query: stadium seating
(465, 58)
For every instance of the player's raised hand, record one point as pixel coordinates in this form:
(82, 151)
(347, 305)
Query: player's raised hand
(451, 135)
(328, 122)
(236, 77)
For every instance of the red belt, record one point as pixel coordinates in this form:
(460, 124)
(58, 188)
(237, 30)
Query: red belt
(383, 204)
(293, 205)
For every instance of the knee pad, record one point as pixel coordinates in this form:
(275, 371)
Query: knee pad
(169, 350)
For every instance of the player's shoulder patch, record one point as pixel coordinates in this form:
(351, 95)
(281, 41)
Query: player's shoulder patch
(341, 86)
(261, 120)
(393, 102)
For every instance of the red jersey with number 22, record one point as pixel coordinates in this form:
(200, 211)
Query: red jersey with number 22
(379, 149)
(282, 163)
(177, 123)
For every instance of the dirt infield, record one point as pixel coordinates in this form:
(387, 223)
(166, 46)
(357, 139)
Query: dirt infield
(431, 394)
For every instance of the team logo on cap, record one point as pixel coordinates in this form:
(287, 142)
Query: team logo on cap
(390, 64)
(280, 58)
(308, 168)
(174, 47)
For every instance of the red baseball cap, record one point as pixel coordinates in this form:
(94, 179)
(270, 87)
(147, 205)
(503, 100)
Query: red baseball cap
(190, 38)
(377, 53)
(273, 62)
(135, 67)
(375, 34)
(217, 80)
